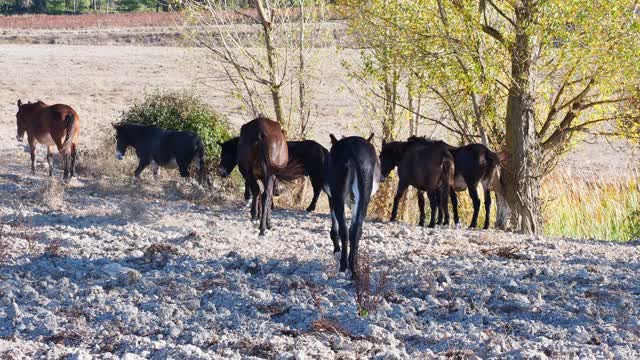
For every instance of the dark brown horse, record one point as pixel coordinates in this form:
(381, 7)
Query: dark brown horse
(427, 166)
(263, 155)
(56, 125)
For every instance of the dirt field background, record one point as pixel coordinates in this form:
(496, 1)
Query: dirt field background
(101, 81)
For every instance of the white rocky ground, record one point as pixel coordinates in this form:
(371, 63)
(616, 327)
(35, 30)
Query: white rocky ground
(110, 268)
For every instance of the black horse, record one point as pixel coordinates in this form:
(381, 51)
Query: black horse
(427, 166)
(353, 173)
(308, 152)
(162, 148)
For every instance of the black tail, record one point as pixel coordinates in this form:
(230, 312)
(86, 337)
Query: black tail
(365, 193)
(445, 177)
(69, 125)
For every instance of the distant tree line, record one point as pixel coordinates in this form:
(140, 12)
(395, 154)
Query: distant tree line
(12, 7)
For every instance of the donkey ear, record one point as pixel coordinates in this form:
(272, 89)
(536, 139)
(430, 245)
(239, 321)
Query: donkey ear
(384, 142)
(19, 102)
(370, 137)
(333, 139)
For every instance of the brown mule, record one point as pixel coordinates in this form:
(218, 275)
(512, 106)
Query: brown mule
(263, 155)
(56, 125)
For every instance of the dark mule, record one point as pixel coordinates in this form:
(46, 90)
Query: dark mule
(162, 148)
(308, 152)
(312, 155)
(427, 166)
(475, 164)
(263, 155)
(353, 173)
(56, 125)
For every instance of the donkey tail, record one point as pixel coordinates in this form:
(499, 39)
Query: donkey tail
(364, 193)
(493, 165)
(294, 169)
(445, 178)
(70, 127)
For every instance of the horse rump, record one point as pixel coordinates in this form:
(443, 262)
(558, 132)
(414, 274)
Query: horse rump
(69, 126)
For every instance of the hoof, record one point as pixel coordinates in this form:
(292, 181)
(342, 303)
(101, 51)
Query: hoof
(349, 274)
(336, 256)
(310, 209)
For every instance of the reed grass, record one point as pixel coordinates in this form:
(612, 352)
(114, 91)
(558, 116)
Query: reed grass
(592, 207)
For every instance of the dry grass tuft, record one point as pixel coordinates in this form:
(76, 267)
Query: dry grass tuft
(159, 253)
(51, 194)
(331, 326)
(507, 252)
(458, 354)
(133, 210)
(5, 246)
(24, 228)
(368, 301)
(101, 162)
(54, 248)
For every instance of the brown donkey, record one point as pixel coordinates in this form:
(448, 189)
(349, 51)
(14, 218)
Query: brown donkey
(263, 156)
(57, 125)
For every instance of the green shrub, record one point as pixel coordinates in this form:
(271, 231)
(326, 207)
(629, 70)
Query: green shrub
(182, 110)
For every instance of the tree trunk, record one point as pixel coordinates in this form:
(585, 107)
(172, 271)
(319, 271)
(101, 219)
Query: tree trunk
(302, 91)
(272, 62)
(521, 176)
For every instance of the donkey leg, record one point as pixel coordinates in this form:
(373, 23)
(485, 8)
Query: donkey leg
(487, 208)
(255, 193)
(50, 160)
(473, 192)
(74, 154)
(444, 206)
(266, 197)
(66, 164)
(32, 151)
(271, 206)
(338, 208)
(247, 192)
(433, 205)
(454, 205)
(439, 209)
(141, 166)
(334, 229)
(421, 207)
(317, 188)
(155, 168)
(355, 232)
(402, 187)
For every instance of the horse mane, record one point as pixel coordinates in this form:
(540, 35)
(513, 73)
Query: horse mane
(423, 140)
